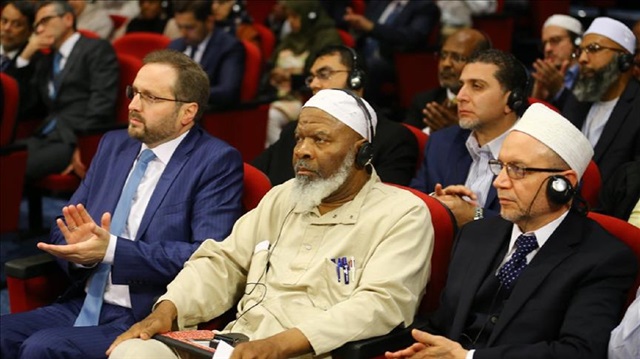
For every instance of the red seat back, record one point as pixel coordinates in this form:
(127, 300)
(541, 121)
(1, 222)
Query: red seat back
(256, 185)
(422, 139)
(252, 68)
(627, 233)
(139, 44)
(129, 67)
(267, 40)
(416, 72)
(347, 39)
(10, 101)
(13, 166)
(445, 228)
(591, 183)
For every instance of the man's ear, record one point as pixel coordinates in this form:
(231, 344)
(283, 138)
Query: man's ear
(188, 113)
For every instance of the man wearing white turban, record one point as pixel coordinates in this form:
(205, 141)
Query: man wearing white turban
(543, 281)
(605, 106)
(321, 261)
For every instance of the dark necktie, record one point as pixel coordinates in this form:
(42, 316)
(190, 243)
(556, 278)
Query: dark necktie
(5, 61)
(55, 71)
(510, 271)
(90, 312)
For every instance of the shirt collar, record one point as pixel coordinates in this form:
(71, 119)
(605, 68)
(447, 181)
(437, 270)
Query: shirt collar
(164, 151)
(542, 234)
(67, 46)
(10, 54)
(492, 146)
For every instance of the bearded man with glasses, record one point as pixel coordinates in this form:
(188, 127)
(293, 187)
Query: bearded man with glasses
(188, 189)
(604, 104)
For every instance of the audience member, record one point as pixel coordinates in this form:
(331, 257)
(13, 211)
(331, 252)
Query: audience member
(636, 58)
(605, 106)
(190, 191)
(455, 164)
(232, 17)
(152, 18)
(221, 55)
(91, 17)
(276, 21)
(17, 21)
(558, 71)
(311, 30)
(625, 339)
(125, 8)
(306, 279)
(77, 82)
(456, 14)
(543, 281)
(435, 109)
(387, 27)
(395, 149)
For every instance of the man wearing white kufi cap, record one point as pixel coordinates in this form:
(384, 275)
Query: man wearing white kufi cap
(606, 106)
(557, 72)
(542, 280)
(328, 257)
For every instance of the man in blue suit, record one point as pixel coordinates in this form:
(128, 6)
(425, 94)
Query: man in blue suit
(220, 54)
(189, 191)
(455, 164)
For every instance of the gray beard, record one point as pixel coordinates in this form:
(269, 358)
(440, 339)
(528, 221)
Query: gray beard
(591, 89)
(307, 194)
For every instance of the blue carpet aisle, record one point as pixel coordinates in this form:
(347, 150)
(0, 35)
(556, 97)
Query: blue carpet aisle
(14, 246)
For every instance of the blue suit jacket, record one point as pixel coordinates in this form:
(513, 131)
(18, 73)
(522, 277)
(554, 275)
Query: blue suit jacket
(447, 161)
(197, 197)
(223, 61)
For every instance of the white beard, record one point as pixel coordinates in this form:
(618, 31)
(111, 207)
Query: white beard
(308, 194)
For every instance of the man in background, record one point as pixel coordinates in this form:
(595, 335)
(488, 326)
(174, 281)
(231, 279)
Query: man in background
(436, 109)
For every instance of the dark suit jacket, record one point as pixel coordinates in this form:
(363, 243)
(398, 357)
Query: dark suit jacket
(414, 113)
(447, 161)
(23, 77)
(620, 139)
(87, 91)
(566, 301)
(395, 154)
(409, 31)
(198, 197)
(223, 61)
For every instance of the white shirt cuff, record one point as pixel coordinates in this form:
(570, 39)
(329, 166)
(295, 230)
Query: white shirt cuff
(470, 354)
(111, 250)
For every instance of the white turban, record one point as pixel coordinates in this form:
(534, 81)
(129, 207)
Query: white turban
(344, 107)
(557, 133)
(564, 21)
(614, 30)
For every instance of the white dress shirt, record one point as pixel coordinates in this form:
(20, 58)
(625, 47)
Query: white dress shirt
(480, 176)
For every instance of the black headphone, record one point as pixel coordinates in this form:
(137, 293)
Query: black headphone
(517, 100)
(356, 76)
(559, 189)
(625, 61)
(365, 152)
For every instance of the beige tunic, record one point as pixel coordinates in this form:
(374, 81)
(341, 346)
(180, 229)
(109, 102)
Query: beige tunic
(386, 230)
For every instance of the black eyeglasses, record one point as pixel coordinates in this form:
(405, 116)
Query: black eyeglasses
(45, 20)
(594, 48)
(455, 57)
(322, 75)
(516, 171)
(131, 93)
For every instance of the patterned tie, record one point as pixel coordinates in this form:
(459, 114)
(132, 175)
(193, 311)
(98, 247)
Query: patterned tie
(510, 271)
(90, 312)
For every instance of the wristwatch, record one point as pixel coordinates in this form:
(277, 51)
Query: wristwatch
(479, 214)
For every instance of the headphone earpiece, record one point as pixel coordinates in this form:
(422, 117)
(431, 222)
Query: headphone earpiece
(559, 190)
(312, 16)
(577, 41)
(364, 155)
(517, 100)
(625, 61)
(356, 76)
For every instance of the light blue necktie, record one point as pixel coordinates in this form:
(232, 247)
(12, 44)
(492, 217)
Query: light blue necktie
(90, 312)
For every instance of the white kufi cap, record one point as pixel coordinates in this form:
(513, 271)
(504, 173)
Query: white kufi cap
(557, 133)
(564, 21)
(614, 30)
(344, 107)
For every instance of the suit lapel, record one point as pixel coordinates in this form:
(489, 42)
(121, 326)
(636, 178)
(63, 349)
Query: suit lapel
(71, 62)
(616, 120)
(171, 171)
(207, 61)
(493, 237)
(557, 248)
(461, 160)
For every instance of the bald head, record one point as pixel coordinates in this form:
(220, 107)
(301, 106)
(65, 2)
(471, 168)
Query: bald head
(455, 51)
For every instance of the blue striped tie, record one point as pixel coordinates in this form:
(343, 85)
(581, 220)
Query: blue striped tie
(90, 312)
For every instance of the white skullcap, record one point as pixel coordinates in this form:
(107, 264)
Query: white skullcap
(614, 30)
(345, 108)
(557, 133)
(565, 22)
